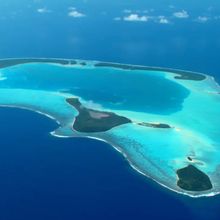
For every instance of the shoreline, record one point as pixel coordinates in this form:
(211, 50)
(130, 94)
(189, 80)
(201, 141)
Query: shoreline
(117, 148)
(95, 63)
(133, 166)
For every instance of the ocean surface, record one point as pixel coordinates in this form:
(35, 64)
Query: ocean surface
(43, 177)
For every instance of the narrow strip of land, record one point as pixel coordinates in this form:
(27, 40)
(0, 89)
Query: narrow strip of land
(14, 62)
(184, 75)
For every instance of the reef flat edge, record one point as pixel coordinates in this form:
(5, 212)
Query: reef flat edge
(182, 74)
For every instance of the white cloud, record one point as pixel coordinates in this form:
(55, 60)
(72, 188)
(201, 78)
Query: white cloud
(202, 19)
(43, 10)
(136, 17)
(74, 13)
(181, 14)
(163, 20)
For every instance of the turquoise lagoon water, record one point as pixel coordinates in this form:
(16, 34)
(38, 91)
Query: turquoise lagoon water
(110, 87)
(190, 107)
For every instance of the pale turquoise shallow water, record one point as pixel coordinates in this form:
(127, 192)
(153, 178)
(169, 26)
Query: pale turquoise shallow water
(190, 107)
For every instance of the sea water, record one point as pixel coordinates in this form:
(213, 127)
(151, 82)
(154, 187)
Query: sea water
(110, 87)
(106, 188)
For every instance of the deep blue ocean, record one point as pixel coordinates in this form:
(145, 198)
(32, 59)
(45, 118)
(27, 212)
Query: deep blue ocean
(43, 177)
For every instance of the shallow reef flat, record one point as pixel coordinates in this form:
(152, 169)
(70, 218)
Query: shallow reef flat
(164, 121)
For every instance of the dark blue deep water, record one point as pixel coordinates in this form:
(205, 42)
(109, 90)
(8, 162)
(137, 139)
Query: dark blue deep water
(42, 177)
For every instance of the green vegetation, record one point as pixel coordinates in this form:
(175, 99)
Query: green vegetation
(192, 179)
(89, 120)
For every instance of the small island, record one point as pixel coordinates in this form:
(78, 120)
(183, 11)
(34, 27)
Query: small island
(193, 179)
(155, 125)
(89, 120)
